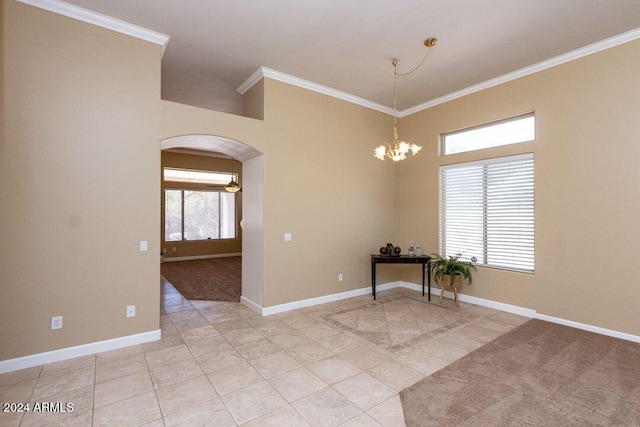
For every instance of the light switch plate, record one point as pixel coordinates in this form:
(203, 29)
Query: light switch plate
(287, 237)
(131, 310)
(143, 245)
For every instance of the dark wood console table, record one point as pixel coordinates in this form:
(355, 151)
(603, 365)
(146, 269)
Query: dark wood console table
(402, 259)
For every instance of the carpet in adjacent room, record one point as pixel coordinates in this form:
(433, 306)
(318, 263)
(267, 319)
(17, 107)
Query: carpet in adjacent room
(211, 279)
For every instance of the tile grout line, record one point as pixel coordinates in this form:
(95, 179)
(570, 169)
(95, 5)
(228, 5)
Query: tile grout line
(155, 391)
(205, 374)
(95, 379)
(290, 404)
(32, 393)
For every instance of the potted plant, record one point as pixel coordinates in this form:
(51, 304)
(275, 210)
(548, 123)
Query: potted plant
(451, 271)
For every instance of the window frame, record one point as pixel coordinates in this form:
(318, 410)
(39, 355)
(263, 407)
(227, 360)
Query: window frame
(228, 176)
(444, 136)
(182, 213)
(485, 235)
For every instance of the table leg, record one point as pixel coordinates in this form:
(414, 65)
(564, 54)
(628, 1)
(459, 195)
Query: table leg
(429, 278)
(423, 267)
(373, 279)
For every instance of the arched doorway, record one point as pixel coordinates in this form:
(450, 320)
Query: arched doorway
(252, 205)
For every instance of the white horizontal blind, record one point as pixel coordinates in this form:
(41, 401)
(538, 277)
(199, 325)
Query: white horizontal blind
(487, 212)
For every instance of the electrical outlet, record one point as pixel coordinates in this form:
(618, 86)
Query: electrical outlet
(131, 311)
(143, 245)
(56, 322)
(340, 277)
(287, 237)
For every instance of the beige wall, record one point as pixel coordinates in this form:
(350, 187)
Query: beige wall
(253, 101)
(587, 186)
(79, 185)
(322, 185)
(79, 182)
(317, 185)
(200, 247)
(179, 120)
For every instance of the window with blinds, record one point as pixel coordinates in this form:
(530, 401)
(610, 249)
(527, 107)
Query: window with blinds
(487, 212)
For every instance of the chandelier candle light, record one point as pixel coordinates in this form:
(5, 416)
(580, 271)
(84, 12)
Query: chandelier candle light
(398, 150)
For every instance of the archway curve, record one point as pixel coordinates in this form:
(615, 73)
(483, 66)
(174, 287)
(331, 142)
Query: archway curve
(213, 143)
(252, 206)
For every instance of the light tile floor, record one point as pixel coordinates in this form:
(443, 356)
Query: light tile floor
(221, 364)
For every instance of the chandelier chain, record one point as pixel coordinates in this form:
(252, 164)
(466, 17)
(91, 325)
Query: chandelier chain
(395, 92)
(397, 150)
(408, 73)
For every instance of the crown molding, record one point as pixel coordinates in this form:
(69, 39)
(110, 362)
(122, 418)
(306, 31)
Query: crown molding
(104, 21)
(263, 72)
(100, 20)
(541, 66)
(251, 81)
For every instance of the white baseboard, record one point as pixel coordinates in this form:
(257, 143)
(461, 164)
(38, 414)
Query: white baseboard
(435, 291)
(589, 328)
(76, 351)
(509, 308)
(527, 312)
(281, 308)
(191, 258)
(252, 305)
(113, 344)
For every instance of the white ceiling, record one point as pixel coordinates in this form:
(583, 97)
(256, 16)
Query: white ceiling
(348, 45)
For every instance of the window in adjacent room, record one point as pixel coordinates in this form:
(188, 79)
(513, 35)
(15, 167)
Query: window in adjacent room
(195, 176)
(198, 214)
(487, 212)
(504, 132)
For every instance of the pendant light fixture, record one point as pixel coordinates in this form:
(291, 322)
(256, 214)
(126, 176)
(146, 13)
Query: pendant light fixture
(397, 150)
(232, 186)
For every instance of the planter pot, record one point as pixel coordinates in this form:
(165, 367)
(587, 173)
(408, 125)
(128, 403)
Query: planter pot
(455, 283)
(445, 280)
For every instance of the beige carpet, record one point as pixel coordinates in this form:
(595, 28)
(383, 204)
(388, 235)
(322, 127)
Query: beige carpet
(213, 279)
(539, 374)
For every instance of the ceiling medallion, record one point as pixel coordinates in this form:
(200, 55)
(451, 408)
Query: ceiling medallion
(397, 150)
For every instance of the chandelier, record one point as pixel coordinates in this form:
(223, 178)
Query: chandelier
(397, 150)
(232, 186)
